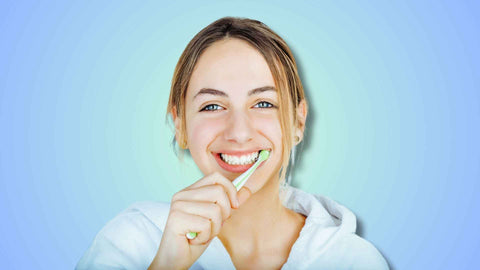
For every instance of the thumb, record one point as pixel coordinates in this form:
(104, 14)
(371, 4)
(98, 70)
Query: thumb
(243, 194)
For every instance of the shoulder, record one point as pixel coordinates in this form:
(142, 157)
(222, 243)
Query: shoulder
(139, 219)
(354, 252)
(130, 240)
(362, 253)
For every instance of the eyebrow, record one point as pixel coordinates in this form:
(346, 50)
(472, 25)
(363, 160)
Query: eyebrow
(216, 92)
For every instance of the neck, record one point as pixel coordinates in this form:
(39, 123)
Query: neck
(252, 225)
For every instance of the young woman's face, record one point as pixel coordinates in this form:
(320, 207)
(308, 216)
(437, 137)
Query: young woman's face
(232, 113)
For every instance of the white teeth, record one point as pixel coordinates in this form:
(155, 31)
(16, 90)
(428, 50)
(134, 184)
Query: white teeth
(239, 160)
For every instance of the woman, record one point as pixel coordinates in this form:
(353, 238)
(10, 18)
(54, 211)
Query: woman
(235, 92)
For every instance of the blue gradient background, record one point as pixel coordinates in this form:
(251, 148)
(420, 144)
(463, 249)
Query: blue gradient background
(393, 127)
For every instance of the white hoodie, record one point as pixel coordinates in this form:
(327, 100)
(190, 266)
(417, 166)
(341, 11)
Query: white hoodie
(327, 240)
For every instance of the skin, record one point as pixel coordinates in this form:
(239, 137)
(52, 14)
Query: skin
(241, 121)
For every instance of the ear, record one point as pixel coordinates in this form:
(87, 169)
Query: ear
(301, 112)
(179, 133)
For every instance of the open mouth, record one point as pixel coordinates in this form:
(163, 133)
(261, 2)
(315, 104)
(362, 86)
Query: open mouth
(236, 163)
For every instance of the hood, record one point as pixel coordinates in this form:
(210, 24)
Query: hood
(326, 221)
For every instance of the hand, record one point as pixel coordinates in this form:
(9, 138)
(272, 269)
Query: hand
(201, 208)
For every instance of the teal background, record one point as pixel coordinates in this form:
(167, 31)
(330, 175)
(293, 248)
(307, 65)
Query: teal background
(393, 129)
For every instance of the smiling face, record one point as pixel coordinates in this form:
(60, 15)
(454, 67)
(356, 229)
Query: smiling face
(231, 112)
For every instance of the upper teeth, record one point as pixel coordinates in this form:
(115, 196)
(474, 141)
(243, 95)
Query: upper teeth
(239, 160)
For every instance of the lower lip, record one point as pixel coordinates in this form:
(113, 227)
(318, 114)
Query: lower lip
(232, 168)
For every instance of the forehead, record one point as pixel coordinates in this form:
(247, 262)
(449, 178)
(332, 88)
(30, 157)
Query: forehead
(231, 65)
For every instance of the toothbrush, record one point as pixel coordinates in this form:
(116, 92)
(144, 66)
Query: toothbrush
(241, 180)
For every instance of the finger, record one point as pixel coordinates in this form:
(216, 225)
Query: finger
(218, 178)
(211, 211)
(243, 194)
(185, 223)
(211, 193)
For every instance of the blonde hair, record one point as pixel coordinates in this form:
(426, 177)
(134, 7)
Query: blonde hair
(277, 55)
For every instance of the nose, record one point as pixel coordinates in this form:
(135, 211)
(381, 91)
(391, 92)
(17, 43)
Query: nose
(238, 128)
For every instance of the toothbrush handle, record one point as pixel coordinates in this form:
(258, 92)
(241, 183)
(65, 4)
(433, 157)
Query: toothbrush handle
(242, 179)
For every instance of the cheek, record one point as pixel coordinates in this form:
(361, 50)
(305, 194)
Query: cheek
(201, 132)
(270, 127)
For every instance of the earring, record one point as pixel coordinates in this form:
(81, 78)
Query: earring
(182, 143)
(297, 138)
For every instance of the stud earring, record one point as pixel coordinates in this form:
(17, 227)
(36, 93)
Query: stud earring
(182, 143)
(297, 139)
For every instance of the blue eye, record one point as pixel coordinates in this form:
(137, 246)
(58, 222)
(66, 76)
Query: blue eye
(211, 107)
(264, 104)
